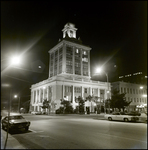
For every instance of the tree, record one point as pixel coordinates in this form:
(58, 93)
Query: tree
(118, 100)
(81, 102)
(68, 109)
(46, 105)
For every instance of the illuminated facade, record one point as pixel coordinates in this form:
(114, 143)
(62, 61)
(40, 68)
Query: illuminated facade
(135, 93)
(69, 75)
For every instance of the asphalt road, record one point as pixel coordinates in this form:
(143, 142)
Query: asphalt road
(81, 132)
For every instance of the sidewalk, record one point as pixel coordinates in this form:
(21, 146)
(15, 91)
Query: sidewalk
(12, 143)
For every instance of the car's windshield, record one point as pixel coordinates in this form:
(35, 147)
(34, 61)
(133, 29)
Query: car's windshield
(15, 117)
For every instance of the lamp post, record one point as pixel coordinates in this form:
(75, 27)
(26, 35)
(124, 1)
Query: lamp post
(9, 110)
(99, 70)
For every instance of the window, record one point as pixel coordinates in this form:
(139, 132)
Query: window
(85, 59)
(124, 90)
(77, 51)
(133, 91)
(134, 99)
(127, 90)
(84, 52)
(130, 91)
(121, 90)
(77, 90)
(137, 100)
(67, 89)
(85, 90)
(94, 91)
(140, 99)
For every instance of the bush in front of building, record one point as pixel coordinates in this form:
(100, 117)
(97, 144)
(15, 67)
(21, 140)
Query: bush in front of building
(76, 110)
(60, 110)
(81, 102)
(66, 108)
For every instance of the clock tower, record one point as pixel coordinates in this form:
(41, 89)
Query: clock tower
(70, 30)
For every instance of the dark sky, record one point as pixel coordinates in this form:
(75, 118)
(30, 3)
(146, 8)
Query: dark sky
(115, 30)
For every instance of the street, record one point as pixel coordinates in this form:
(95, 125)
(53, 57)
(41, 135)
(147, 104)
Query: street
(81, 132)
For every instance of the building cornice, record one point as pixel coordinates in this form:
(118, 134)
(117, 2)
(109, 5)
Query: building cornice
(54, 79)
(69, 43)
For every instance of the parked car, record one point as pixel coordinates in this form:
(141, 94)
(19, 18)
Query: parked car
(121, 117)
(134, 113)
(36, 113)
(16, 121)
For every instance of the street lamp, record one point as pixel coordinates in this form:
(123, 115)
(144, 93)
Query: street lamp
(15, 96)
(15, 60)
(99, 70)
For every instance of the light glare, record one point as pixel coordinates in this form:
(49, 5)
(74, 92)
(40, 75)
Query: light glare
(15, 60)
(99, 70)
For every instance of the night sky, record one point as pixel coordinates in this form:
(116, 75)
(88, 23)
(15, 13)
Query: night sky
(115, 30)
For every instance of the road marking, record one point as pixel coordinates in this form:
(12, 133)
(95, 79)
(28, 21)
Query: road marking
(46, 136)
(43, 136)
(35, 131)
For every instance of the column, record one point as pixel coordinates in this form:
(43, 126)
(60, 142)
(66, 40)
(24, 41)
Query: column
(73, 98)
(81, 62)
(73, 65)
(64, 59)
(36, 96)
(82, 91)
(57, 64)
(47, 93)
(63, 91)
(39, 96)
(43, 94)
(31, 97)
(98, 92)
(90, 91)
(49, 63)
(89, 63)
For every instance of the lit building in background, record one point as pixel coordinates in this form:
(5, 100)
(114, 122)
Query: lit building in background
(69, 75)
(136, 93)
(138, 78)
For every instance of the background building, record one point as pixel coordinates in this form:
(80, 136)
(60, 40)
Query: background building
(137, 93)
(69, 75)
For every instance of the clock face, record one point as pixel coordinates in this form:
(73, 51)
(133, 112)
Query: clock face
(71, 33)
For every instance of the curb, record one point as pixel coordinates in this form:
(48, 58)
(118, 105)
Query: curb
(12, 143)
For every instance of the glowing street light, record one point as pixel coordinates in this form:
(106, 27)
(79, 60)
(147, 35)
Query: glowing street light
(15, 60)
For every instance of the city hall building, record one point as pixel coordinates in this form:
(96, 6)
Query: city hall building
(69, 75)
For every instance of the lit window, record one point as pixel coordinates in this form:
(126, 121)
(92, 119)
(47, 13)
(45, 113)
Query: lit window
(77, 51)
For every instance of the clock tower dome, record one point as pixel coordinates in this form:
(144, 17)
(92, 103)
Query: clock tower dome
(70, 30)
